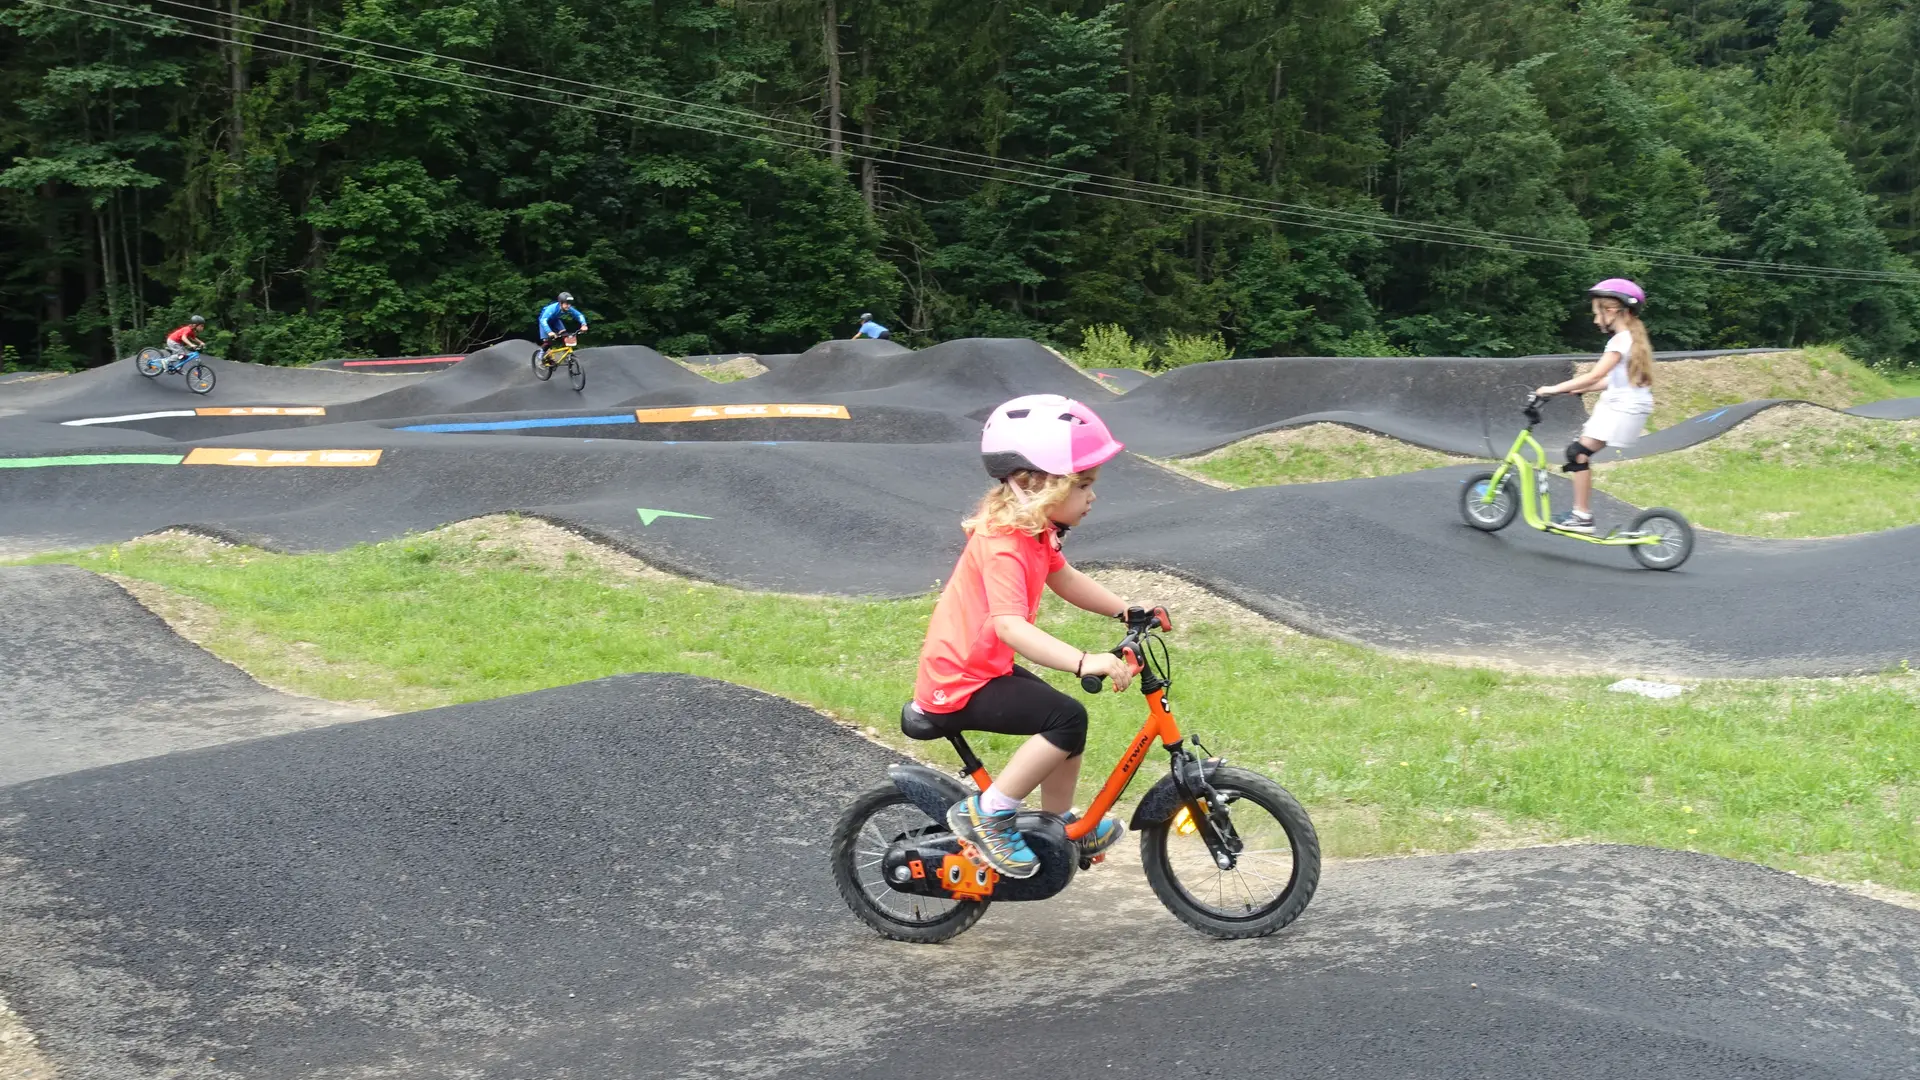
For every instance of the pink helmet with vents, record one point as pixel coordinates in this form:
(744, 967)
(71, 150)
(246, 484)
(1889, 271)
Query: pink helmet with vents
(1045, 433)
(1619, 288)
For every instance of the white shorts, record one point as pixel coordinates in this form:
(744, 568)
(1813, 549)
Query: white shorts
(1614, 425)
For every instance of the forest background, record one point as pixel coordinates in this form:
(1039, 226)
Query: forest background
(326, 178)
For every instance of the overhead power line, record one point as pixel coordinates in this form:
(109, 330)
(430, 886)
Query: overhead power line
(646, 107)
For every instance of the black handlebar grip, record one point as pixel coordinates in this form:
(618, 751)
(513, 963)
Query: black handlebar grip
(1092, 683)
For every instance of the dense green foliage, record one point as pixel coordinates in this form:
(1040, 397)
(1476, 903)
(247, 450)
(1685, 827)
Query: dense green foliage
(413, 201)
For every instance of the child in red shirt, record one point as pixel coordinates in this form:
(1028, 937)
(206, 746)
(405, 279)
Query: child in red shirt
(1046, 452)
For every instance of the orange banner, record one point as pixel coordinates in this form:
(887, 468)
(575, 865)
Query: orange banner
(739, 412)
(265, 410)
(268, 459)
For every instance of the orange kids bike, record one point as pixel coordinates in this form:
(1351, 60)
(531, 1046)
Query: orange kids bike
(1227, 850)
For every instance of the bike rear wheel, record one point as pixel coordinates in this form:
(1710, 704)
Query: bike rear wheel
(1274, 876)
(150, 361)
(860, 842)
(1674, 545)
(1488, 516)
(541, 369)
(200, 378)
(576, 374)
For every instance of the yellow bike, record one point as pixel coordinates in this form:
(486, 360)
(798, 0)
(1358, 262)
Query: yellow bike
(546, 359)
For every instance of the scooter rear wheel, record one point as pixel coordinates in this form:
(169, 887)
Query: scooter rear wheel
(1273, 879)
(860, 842)
(1676, 538)
(1488, 516)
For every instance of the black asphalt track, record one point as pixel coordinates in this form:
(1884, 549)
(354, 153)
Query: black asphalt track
(94, 678)
(869, 505)
(626, 878)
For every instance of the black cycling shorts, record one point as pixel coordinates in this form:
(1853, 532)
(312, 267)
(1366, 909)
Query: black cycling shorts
(1020, 703)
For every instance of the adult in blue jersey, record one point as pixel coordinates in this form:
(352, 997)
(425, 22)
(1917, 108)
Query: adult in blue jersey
(871, 329)
(553, 323)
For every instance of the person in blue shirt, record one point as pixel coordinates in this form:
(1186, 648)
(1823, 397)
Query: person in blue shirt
(871, 329)
(553, 322)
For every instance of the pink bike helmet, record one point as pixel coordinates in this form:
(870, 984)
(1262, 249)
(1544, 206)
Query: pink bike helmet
(1619, 288)
(1045, 433)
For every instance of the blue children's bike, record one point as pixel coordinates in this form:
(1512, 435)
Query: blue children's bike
(153, 362)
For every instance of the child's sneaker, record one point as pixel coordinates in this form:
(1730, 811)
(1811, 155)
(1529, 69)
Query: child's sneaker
(995, 837)
(1098, 841)
(1575, 521)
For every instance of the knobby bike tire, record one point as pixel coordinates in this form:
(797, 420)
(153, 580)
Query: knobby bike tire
(1489, 517)
(200, 378)
(842, 850)
(541, 369)
(1244, 784)
(576, 374)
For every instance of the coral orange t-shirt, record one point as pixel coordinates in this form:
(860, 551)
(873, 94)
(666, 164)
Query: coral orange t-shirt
(1003, 574)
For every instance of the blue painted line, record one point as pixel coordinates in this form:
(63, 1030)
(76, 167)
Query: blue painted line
(516, 425)
(1710, 417)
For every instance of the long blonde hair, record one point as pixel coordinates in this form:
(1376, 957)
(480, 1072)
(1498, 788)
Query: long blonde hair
(1024, 502)
(1640, 357)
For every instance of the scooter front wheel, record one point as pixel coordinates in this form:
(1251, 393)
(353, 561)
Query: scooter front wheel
(859, 847)
(1675, 541)
(1273, 877)
(1488, 516)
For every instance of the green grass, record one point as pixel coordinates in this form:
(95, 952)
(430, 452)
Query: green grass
(1822, 374)
(1391, 755)
(1786, 473)
(1313, 454)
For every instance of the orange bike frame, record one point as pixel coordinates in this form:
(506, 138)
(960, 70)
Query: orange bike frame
(1160, 725)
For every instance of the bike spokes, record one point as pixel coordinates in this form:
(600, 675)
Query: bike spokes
(1262, 872)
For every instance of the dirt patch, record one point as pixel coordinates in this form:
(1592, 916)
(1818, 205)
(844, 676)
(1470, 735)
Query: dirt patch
(1334, 438)
(1188, 603)
(543, 545)
(740, 367)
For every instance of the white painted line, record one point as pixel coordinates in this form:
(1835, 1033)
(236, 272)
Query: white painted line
(90, 421)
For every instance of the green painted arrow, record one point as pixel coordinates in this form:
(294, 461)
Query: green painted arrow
(647, 516)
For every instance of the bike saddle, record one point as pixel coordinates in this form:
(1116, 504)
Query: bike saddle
(915, 724)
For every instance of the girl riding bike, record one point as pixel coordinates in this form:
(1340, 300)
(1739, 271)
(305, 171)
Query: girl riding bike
(1626, 370)
(1045, 451)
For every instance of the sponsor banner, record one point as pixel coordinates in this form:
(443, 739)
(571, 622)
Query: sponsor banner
(739, 412)
(267, 459)
(265, 410)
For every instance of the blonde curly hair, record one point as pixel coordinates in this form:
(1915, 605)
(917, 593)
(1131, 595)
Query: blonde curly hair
(1024, 502)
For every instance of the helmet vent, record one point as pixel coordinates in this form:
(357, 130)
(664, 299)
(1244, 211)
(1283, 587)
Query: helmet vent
(1018, 414)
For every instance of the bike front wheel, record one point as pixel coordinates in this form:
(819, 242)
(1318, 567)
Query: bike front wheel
(1273, 878)
(1488, 516)
(1674, 543)
(859, 847)
(576, 374)
(150, 362)
(541, 369)
(200, 379)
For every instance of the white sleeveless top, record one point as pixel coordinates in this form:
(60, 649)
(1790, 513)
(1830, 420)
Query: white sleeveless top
(1620, 391)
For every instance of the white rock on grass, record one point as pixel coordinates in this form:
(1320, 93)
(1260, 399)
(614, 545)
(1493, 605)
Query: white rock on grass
(1656, 690)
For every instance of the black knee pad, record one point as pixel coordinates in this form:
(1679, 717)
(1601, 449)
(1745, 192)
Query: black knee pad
(1067, 728)
(1575, 451)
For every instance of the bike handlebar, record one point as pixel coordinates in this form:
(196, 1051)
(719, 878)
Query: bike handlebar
(1140, 622)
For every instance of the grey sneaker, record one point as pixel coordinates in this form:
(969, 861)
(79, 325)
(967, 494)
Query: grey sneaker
(1575, 521)
(995, 837)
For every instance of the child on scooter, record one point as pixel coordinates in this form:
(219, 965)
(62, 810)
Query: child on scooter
(1626, 370)
(1045, 451)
